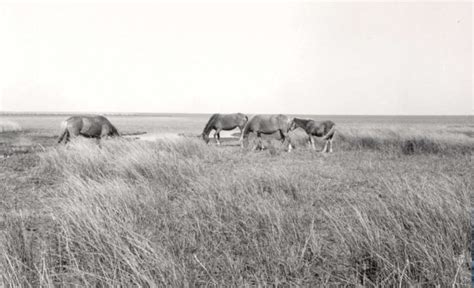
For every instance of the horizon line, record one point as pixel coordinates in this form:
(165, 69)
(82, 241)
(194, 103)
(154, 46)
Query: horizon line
(210, 113)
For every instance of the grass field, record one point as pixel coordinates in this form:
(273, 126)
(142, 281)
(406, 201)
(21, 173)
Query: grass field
(391, 206)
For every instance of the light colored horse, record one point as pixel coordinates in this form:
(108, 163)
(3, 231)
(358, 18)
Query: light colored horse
(324, 129)
(221, 122)
(91, 126)
(268, 124)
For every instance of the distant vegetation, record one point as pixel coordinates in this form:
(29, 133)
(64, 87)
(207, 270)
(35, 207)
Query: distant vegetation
(388, 208)
(448, 141)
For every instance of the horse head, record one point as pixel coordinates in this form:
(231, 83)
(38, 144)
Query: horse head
(204, 137)
(292, 124)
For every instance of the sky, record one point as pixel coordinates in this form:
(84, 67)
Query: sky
(351, 58)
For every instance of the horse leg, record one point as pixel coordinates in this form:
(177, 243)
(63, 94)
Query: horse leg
(241, 132)
(325, 149)
(241, 139)
(215, 136)
(97, 140)
(244, 137)
(282, 136)
(330, 142)
(218, 133)
(256, 145)
(104, 134)
(311, 137)
(285, 137)
(259, 142)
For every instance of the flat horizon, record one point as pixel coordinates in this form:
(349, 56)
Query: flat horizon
(42, 113)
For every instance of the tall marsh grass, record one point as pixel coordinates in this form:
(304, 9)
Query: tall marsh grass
(408, 140)
(182, 213)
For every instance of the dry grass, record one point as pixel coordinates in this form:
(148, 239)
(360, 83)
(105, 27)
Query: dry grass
(447, 141)
(181, 213)
(7, 126)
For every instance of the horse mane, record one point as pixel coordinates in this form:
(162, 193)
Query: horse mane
(208, 127)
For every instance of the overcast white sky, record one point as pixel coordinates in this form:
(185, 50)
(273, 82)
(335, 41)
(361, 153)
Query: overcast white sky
(312, 58)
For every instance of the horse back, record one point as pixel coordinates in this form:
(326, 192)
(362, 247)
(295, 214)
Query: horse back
(230, 121)
(90, 126)
(269, 123)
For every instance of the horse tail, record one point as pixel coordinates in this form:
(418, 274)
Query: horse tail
(208, 127)
(247, 129)
(245, 132)
(64, 132)
(330, 133)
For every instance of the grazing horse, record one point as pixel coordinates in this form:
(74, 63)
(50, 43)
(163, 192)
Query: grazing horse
(93, 126)
(325, 129)
(268, 124)
(221, 122)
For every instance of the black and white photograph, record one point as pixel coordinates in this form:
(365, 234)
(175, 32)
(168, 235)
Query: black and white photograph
(236, 143)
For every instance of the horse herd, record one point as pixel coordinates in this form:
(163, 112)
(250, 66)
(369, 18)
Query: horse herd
(96, 126)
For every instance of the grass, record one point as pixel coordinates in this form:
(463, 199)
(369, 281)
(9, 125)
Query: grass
(409, 141)
(7, 125)
(378, 212)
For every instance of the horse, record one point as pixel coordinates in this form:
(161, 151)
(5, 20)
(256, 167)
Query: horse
(324, 129)
(91, 126)
(221, 122)
(268, 124)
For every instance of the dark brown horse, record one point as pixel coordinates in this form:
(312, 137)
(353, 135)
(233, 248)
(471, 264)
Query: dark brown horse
(324, 129)
(268, 124)
(221, 122)
(92, 126)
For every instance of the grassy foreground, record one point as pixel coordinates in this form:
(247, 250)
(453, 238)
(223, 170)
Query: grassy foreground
(381, 211)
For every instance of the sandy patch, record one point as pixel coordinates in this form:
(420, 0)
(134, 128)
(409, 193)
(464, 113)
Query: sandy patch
(155, 136)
